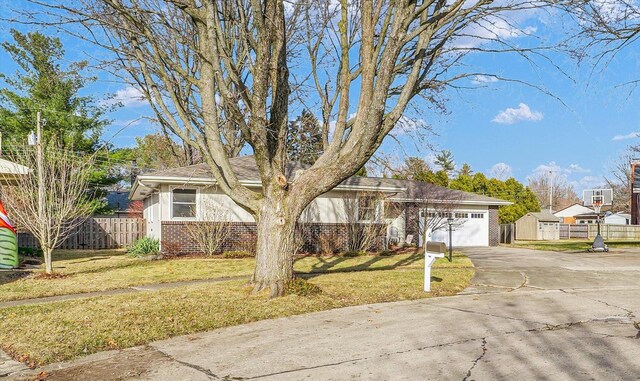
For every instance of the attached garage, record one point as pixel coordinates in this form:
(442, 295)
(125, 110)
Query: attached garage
(470, 225)
(542, 226)
(427, 206)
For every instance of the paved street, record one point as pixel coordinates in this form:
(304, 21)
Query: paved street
(528, 315)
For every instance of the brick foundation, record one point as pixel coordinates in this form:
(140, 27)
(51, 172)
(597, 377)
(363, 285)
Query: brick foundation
(494, 226)
(318, 238)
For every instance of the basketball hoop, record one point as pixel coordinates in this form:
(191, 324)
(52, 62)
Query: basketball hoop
(597, 207)
(596, 198)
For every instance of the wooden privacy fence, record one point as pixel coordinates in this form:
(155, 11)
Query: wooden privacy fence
(97, 233)
(507, 233)
(568, 231)
(608, 231)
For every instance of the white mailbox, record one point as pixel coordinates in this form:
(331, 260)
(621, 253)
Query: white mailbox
(432, 251)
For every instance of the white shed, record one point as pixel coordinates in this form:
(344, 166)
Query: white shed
(542, 226)
(619, 218)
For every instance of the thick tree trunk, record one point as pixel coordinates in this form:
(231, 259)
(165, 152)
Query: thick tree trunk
(274, 250)
(48, 259)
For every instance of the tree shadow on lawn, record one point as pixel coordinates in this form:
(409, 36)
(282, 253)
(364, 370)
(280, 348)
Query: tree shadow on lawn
(326, 266)
(9, 276)
(86, 255)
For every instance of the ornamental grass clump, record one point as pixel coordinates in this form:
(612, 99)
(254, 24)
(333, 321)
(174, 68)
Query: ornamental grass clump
(144, 247)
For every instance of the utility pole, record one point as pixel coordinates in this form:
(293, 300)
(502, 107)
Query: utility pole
(40, 164)
(551, 192)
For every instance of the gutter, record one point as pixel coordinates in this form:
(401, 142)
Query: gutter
(455, 202)
(248, 183)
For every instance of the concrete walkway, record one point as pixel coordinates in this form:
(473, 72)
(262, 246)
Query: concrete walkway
(528, 315)
(117, 291)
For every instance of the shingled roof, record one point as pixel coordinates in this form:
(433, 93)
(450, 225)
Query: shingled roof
(246, 170)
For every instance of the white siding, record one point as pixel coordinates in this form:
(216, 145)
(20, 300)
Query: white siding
(328, 208)
(151, 213)
(573, 211)
(617, 219)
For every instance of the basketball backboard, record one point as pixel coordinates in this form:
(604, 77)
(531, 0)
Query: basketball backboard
(592, 197)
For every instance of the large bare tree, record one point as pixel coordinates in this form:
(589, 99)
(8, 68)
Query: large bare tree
(219, 72)
(563, 194)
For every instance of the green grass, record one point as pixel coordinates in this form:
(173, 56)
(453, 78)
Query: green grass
(571, 245)
(46, 333)
(89, 271)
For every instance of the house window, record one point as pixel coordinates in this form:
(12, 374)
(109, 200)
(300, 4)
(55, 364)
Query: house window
(462, 215)
(183, 203)
(367, 208)
(477, 215)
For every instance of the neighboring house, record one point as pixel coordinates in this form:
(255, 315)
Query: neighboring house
(635, 193)
(176, 198)
(10, 171)
(542, 226)
(587, 218)
(568, 214)
(619, 218)
(122, 206)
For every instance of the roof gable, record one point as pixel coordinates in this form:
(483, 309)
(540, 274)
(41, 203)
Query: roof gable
(544, 216)
(573, 210)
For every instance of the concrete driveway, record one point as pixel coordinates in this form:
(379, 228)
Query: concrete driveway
(528, 315)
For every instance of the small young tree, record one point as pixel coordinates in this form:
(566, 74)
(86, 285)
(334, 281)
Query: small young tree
(363, 215)
(51, 203)
(210, 233)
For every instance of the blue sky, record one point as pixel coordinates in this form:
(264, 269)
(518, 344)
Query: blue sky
(497, 124)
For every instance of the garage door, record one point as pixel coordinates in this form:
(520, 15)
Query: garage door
(471, 228)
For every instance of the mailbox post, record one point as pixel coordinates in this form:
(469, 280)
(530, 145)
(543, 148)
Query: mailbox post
(450, 220)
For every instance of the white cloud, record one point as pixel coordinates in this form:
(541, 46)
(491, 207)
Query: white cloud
(627, 136)
(576, 168)
(552, 166)
(513, 115)
(128, 97)
(587, 182)
(493, 28)
(501, 171)
(407, 125)
(483, 79)
(431, 160)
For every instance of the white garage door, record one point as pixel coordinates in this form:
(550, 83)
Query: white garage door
(471, 228)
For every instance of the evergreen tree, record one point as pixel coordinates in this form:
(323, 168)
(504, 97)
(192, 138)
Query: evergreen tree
(463, 182)
(524, 200)
(42, 84)
(465, 170)
(445, 161)
(417, 169)
(71, 123)
(305, 138)
(362, 172)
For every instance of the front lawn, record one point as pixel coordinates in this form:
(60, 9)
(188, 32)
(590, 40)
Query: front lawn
(59, 331)
(572, 245)
(88, 271)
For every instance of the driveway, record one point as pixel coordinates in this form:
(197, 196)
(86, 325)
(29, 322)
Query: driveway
(528, 315)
